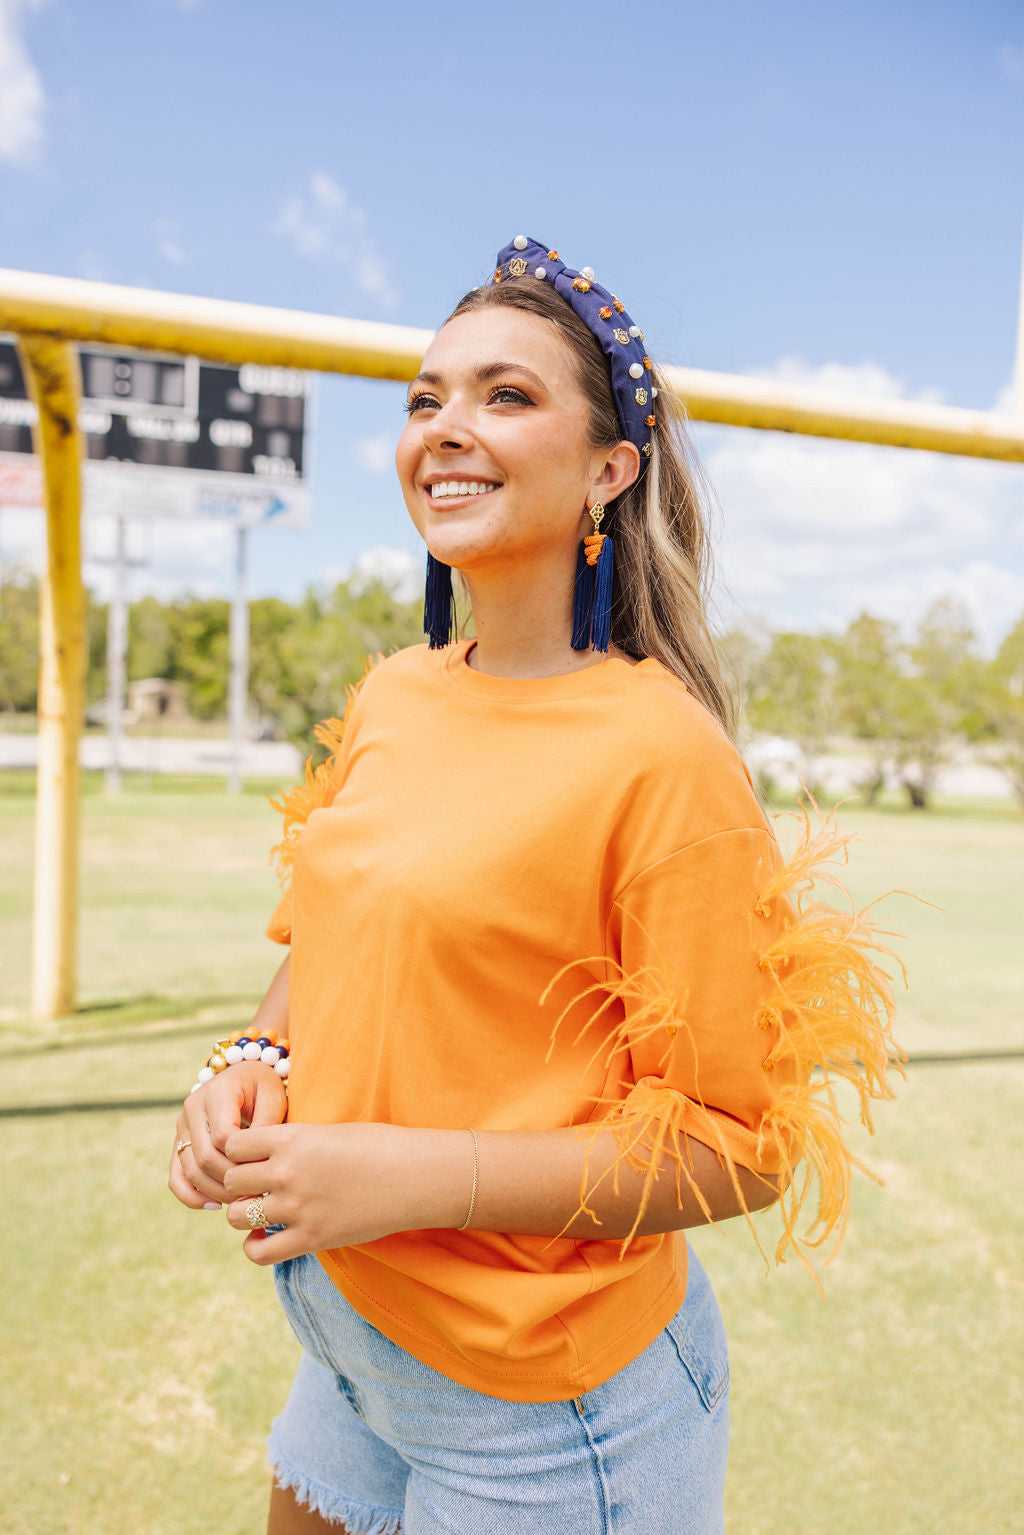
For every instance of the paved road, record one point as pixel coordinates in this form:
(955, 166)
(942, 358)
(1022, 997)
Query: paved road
(168, 754)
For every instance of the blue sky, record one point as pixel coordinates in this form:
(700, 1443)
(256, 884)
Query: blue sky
(829, 193)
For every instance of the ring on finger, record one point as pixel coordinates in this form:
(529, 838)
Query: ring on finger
(180, 1147)
(255, 1213)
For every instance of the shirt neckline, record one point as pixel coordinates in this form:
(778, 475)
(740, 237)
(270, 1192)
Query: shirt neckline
(590, 679)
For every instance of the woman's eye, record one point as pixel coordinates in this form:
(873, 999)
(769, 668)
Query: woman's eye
(420, 402)
(506, 395)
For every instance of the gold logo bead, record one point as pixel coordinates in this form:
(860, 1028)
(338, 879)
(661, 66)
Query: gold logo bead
(620, 335)
(517, 267)
(640, 395)
(646, 450)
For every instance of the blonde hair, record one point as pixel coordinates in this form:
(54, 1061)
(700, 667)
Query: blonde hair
(662, 549)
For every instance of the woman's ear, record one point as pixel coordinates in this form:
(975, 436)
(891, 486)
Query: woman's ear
(620, 468)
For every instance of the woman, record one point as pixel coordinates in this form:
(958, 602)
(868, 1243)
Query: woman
(549, 1005)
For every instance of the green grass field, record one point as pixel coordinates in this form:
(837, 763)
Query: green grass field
(144, 1357)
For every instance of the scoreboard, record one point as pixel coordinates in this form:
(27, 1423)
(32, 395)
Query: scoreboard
(170, 436)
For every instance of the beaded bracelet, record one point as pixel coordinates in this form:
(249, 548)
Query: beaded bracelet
(239, 1047)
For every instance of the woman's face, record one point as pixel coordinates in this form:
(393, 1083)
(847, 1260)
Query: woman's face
(496, 416)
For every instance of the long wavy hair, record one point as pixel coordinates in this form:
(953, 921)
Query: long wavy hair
(662, 549)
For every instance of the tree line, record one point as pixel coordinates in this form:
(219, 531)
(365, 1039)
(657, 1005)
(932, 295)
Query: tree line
(910, 703)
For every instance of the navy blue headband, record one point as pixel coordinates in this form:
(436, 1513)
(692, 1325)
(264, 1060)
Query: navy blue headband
(605, 317)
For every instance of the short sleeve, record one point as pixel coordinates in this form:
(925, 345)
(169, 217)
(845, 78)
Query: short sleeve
(742, 999)
(689, 939)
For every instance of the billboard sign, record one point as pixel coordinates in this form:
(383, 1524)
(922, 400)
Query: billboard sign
(169, 436)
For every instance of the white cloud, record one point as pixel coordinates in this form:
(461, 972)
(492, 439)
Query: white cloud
(1010, 61)
(864, 379)
(22, 101)
(167, 234)
(322, 223)
(375, 454)
(398, 569)
(815, 530)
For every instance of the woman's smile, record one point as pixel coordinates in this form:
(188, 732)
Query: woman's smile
(458, 488)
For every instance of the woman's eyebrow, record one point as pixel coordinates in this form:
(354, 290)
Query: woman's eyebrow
(492, 369)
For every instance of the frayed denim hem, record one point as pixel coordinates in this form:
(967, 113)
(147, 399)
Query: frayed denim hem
(358, 1518)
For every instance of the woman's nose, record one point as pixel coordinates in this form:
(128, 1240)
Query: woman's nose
(446, 428)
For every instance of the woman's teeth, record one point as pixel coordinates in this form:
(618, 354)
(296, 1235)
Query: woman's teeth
(460, 488)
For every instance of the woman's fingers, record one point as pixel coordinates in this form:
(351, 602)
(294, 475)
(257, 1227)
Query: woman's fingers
(257, 1143)
(261, 1204)
(267, 1247)
(179, 1181)
(249, 1094)
(247, 1180)
(204, 1165)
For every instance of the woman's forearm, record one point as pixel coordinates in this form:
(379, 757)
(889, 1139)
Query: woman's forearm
(529, 1182)
(272, 1012)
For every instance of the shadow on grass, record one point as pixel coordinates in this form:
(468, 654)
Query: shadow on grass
(115, 1022)
(88, 1106)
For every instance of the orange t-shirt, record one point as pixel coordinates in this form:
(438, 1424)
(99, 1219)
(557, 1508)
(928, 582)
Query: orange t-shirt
(483, 833)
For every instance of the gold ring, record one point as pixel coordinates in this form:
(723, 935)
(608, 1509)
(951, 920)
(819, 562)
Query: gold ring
(254, 1213)
(180, 1147)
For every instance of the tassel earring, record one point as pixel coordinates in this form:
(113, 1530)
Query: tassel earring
(592, 594)
(438, 604)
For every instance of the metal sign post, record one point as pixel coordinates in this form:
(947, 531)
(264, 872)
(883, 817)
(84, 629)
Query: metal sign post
(238, 689)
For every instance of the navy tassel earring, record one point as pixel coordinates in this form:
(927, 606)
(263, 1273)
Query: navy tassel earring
(438, 603)
(592, 595)
(602, 626)
(582, 601)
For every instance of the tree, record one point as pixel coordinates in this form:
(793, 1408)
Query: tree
(1004, 707)
(792, 693)
(939, 699)
(741, 652)
(327, 647)
(870, 693)
(19, 641)
(199, 644)
(151, 640)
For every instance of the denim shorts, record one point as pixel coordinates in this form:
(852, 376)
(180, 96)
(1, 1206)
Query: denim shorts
(373, 1439)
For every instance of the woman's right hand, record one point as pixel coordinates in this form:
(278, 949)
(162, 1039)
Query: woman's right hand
(248, 1094)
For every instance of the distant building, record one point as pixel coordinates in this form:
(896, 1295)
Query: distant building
(155, 699)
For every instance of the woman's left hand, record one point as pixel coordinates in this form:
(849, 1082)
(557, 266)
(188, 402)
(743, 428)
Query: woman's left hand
(329, 1185)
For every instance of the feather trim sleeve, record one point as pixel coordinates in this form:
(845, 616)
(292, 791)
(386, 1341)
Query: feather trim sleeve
(319, 786)
(738, 1011)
